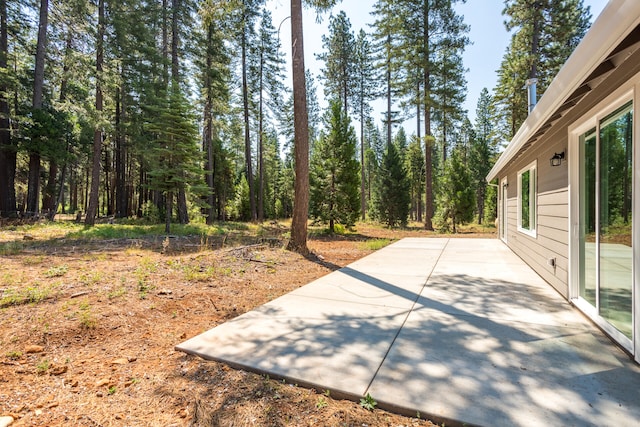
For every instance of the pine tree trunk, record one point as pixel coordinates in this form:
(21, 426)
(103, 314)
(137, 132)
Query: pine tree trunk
(121, 193)
(60, 196)
(92, 206)
(8, 156)
(535, 41)
(363, 204)
(108, 187)
(168, 208)
(207, 133)
(261, 147)
(183, 212)
(418, 135)
(50, 197)
(298, 242)
(73, 191)
(247, 139)
(428, 146)
(428, 160)
(142, 191)
(33, 185)
(209, 168)
(481, 197)
(388, 96)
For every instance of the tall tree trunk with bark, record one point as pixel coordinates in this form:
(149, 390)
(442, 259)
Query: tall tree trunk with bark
(429, 140)
(207, 133)
(94, 194)
(121, 196)
(51, 198)
(33, 186)
(108, 187)
(247, 139)
(261, 144)
(8, 156)
(169, 208)
(183, 212)
(535, 42)
(363, 202)
(298, 242)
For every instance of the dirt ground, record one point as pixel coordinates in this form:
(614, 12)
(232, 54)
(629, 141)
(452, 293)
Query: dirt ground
(88, 329)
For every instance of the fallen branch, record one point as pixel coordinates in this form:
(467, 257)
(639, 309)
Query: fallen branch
(264, 262)
(79, 294)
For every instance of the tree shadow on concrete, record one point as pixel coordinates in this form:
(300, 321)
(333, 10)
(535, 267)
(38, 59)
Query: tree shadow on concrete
(493, 350)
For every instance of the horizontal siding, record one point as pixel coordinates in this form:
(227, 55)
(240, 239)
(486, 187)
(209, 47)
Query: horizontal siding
(557, 248)
(551, 239)
(557, 211)
(553, 198)
(561, 224)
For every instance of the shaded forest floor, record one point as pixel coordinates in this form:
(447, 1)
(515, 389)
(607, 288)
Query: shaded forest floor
(89, 320)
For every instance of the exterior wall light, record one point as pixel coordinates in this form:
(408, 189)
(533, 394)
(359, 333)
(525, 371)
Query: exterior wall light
(557, 158)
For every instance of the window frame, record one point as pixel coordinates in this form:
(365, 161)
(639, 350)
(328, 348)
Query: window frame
(533, 202)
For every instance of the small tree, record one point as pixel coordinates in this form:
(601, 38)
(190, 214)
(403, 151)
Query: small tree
(391, 197)
(334, 172)
(241, 204)
(174, 158)
(456, 197)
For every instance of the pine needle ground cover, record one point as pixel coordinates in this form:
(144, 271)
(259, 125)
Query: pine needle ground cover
(89, 320)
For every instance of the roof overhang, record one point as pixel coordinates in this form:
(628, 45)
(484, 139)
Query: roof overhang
(613, 32)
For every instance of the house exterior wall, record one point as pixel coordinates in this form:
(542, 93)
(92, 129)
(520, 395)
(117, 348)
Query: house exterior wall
(552, 237)
(552, 219)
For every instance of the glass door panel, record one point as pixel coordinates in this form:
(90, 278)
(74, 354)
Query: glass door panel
(615, 247)
(588, 278)
(605, 239)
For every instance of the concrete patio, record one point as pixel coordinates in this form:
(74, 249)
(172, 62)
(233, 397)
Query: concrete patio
(461, 331)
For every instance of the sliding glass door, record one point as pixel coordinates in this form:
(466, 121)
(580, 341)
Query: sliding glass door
(605, 244)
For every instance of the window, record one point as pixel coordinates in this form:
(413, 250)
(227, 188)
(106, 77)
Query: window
(527, 200)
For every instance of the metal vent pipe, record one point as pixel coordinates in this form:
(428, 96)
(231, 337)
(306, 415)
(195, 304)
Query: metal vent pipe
(531, 91)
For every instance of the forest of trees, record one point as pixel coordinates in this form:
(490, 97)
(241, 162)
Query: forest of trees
(179, 109)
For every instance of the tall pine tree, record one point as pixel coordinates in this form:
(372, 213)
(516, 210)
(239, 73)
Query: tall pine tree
(391, 198)
(483, 151)
(455, 194)
(544, 34)
(366, 89)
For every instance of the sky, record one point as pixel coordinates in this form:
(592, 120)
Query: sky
(482, 58)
